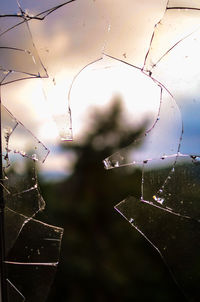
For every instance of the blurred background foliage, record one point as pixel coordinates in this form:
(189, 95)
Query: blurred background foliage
(102, 257)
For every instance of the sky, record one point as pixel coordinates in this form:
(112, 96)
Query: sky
(82, 32)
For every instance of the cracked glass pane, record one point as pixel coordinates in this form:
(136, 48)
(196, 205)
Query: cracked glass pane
(21, 190)
(27, 255)
(14, 223)
(23, 49)
(175, 238)
(174, 186)
(29, 248)
(32, 260)
(132, 50)
(41, 10)
(36, 255)
(18, 55)
(157, 42)
(13, 134)
(183, 83)
(167, 213)
(155, 135)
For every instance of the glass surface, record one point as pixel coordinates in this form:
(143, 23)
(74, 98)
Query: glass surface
(47, 49)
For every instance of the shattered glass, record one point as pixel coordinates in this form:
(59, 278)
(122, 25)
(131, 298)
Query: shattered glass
(12, 143)
(159, 42)
(164, 48)
(175, 237)
(30, 260)
(23, 50)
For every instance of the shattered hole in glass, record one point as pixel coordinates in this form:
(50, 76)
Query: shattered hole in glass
(162, 49)
(162, 52)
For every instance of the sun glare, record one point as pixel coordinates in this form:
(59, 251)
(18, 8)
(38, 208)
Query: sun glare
(96, 88)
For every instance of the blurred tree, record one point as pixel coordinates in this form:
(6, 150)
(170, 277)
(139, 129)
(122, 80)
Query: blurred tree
(102, 257)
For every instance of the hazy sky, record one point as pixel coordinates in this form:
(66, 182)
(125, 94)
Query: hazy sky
(74, 36)
(78, 34)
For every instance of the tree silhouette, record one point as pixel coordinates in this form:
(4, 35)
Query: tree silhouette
(102, 257)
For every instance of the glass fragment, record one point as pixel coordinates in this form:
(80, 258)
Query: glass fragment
(29, 259)
(13, 134)
(168, 234)
(167, 213)
(32, 261)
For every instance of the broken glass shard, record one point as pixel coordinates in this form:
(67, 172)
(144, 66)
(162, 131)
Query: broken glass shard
(22, 198)
(167, 214)
(64, 124)
(19, 60)
(163, 49)
(174, 27)
(19, 55)
(154, 145)
(27, 202)
(14, 222)
(20, 176)
(174, 186)
(16, 139)
(43, 249)
(177, 70)
(32, 261)
(174, 237)
(40, 253)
